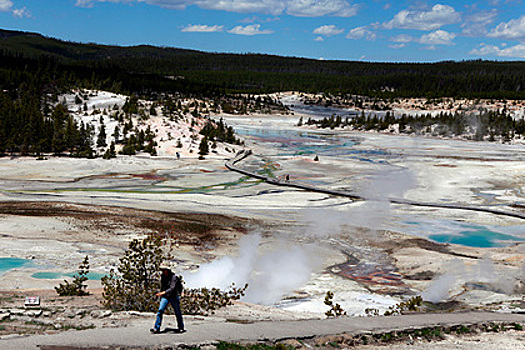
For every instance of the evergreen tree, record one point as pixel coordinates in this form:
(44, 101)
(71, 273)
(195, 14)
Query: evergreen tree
(101, 140)
(203, 147)
(134, 284)
(110, 152)
(116, 134)
(77, 286)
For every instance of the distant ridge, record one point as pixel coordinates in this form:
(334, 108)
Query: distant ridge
(259, 73)
(34, 44)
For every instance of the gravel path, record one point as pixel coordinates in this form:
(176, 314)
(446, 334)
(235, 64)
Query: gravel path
(204, 332)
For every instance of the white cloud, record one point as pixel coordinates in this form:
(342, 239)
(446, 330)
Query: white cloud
(243, 6)
(476, 24)
(485, 50)
(253, 29)
(254, 19)
(360, 33)
(513, 51)
(402, 38)
(437, 17)
(84, 3)
(439, 37)
(517, 51)
(318, 8)
(202, 28)
(397, 46)
(319, 38)
(21, 13)
(512, 30)
(506, 2)
(300, 8)
(6, 5)
(328, 30)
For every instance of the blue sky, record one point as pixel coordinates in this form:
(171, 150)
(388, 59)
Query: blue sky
(376, 30)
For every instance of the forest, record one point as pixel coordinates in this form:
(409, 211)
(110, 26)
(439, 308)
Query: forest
(35, 70)
(143, 69)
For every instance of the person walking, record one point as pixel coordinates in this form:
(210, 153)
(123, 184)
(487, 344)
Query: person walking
(171, 289)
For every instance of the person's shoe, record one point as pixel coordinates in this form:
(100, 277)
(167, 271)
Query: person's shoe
(180, 330)
(155, 331)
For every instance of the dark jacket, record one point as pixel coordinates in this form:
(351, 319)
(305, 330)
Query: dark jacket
(171, 284)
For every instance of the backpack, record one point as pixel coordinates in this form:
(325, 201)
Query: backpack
(178, 284)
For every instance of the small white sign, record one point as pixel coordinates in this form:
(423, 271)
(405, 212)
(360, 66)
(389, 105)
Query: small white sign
(32, 301)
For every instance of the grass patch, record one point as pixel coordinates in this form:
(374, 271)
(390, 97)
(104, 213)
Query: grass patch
(234, 346)
(232, 320)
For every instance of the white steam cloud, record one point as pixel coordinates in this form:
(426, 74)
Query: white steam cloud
(270, 274)
(388, 183)
(483, 272)
(440, 289)
(372, 213)
(223, 272)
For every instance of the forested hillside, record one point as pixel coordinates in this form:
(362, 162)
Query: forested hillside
(146, 68)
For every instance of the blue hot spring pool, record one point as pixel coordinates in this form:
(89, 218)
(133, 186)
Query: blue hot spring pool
(61, 275)
(7, 264)
(466, 234)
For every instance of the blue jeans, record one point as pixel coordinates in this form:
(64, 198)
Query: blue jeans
(175, 303)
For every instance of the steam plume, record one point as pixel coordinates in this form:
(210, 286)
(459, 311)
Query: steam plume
(270, 274)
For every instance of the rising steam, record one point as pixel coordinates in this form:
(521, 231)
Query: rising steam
(484, 272)
(270, 274)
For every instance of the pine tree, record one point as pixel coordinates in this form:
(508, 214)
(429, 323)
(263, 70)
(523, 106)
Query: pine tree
(101, 140)
(77, 287)
(203, 147)
(134, 284)
(110, 152)
(116, 134)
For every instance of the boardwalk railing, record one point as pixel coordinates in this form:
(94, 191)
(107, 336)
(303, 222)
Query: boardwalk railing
(241, 155)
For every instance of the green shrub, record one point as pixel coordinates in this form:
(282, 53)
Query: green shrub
(137, 279)
(134, 286)
(335, 309)
(203, 301)
(77, 287)
(411, 304)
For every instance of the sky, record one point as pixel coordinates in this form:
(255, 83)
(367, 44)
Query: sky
(374, 30)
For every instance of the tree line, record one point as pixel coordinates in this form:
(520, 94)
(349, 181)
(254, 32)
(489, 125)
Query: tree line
(147, 68)
(481, 125)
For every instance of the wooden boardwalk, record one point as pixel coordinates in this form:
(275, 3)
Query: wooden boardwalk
(240, 156)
